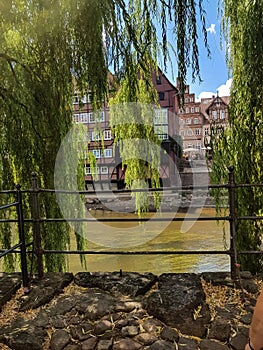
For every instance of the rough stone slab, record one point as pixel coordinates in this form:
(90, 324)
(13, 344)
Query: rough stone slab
(95, 304)
(239, 341)
(10, 283)
(180, 302)
(44, 290)
(22, 335)
(209, 345)
(127, 283)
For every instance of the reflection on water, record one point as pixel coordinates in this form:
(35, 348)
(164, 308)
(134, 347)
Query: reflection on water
(202, 235)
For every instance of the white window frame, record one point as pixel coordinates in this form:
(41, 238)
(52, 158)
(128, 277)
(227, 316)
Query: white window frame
(104, 170)
(188, 121)
(75, 118)
(107, 135)
(107, 153)
(196, 120)
(222, 114)
(214, 115)
(83, 118)
(97, 153)
(197, 132)
(192, 109)
(95, 135)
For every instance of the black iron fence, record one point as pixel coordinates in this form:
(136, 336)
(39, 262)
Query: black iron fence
(37, 249)
(21, 233)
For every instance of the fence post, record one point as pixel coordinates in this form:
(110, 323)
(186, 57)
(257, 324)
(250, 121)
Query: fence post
(25, 279)
(36, 226)
(232, 223)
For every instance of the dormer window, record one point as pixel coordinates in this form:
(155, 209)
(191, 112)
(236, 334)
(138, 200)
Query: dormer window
(214, 115)
(158, 80)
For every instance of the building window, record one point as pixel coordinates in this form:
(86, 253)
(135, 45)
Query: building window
(188, 121)
(186, 110)
(181, 121)
(206, 131)
(196, 120)
(197, 132)
(104, 170)
(186, 100)
(161, 96)
(83, 117)
(97, 116)
(222, 114)
(108, 153)
(214, 115)
(182, 133)
(96, 153)
(161, 116)
(75, 99)
(107, 134)
(89, 172)
(75, 118)
(196, 109)
(192, 109)
(158, 80)
(189, 132)
(161, 131)
(95, 136)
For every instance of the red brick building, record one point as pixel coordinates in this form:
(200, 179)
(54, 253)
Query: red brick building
(180, 130)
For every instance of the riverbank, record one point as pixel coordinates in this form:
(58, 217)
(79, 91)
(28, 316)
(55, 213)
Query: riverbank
(125, 310)
(170, 201)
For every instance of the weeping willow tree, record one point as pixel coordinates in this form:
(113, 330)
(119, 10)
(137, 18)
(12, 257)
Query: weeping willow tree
(43, 45)
(242, 144)
(132, 124)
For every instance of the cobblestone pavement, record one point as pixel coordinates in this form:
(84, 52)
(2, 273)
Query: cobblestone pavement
(103, 311)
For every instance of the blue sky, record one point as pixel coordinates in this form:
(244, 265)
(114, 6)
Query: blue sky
(214, 72)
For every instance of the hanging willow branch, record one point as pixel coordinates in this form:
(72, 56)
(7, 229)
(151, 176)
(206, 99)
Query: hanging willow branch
(51, 42)
(242, 144)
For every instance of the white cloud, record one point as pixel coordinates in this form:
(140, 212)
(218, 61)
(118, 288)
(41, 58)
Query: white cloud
(212, 29)
(223, 90)
(205, 94)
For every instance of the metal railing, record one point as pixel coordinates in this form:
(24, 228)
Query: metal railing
(36, 220)
(21, 233)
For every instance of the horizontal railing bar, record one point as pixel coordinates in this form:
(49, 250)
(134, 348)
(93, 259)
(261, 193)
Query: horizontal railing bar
(250, 217)
(161, 189)
(207, 218)
(8, 205)
(137, 252)
(250, 252)
(249, 185)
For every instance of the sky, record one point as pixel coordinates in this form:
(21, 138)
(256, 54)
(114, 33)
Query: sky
(214, 72)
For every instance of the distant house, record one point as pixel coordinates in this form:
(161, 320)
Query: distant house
(180, 129)
(198, 119)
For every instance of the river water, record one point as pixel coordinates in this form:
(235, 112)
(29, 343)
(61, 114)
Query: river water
(152, 236)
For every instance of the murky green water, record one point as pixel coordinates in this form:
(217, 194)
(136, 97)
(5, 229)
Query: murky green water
(199, 235)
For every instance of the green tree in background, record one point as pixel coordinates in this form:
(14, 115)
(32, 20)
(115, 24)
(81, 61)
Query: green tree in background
(242, 144)
(43, 44)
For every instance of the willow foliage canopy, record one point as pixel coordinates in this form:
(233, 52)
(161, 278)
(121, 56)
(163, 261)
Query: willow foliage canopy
(242, 144)
(43, 44)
